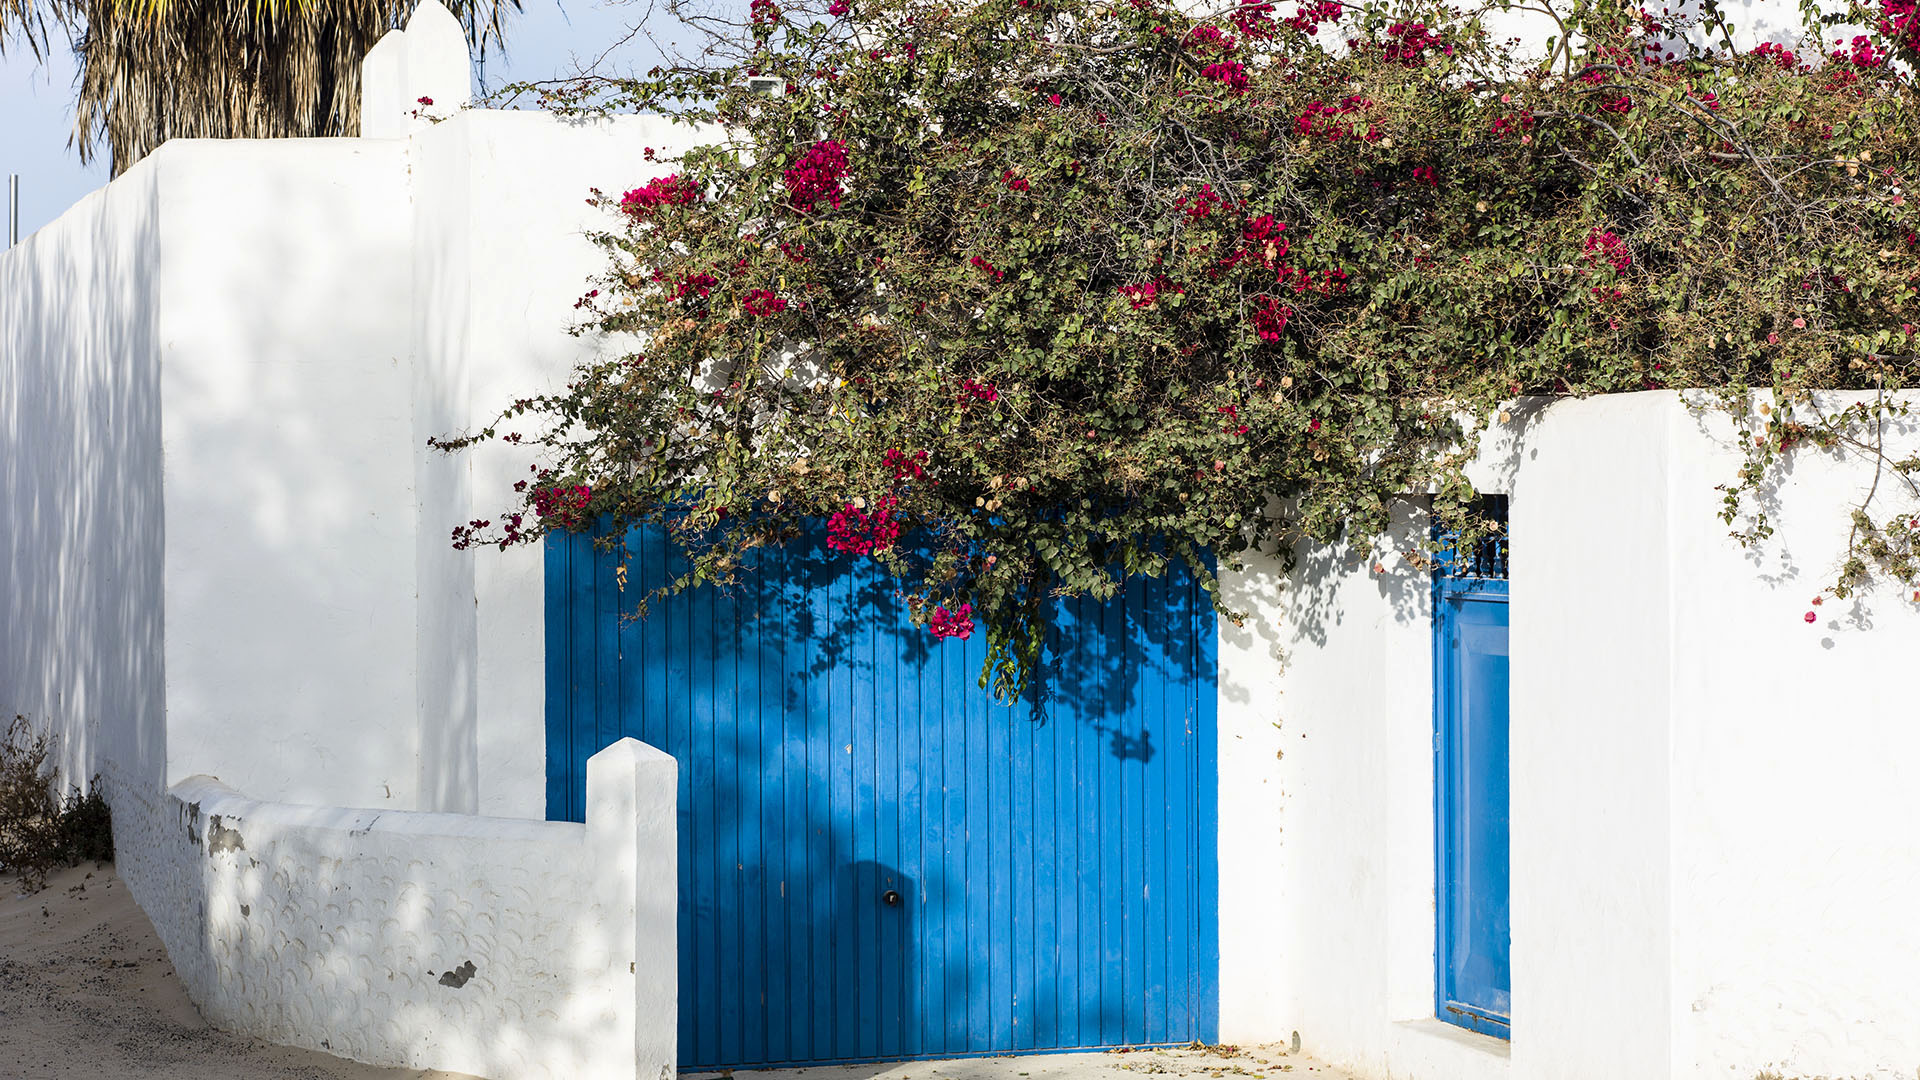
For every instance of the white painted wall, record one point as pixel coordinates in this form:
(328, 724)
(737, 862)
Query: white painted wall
(203, 405)
(226, 554)
(509, 949)
(80, 482)
(492, 326)
(1796, 783)
(1326, 814)
(283, 306)
(1713, 803)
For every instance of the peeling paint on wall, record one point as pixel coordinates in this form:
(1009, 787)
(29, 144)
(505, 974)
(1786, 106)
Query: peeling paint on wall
(458, 977)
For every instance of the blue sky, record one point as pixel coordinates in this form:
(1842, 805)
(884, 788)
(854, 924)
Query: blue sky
(36, 113)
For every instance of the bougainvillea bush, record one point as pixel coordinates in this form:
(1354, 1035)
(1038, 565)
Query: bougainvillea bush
(1023, 296)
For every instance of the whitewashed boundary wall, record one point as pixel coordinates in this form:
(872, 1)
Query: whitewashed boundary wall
(225, 548)
(1713, 803)
(226, 543)
(80, 470)
(498, 947)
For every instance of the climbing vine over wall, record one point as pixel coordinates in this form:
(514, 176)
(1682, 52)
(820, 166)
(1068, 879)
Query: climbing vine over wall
(1026, 295)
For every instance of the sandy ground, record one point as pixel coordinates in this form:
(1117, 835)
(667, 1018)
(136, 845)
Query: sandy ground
(1200, 1063)
(86, 991)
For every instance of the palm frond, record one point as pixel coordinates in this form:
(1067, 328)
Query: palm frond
(151, 70)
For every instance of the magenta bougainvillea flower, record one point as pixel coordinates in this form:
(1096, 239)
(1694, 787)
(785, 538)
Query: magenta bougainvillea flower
(1308, 19)
(905, 466)
(1270, 318)
(562, 506)
(1410, 43)
(763, 303)
(1144, 294)
(978, 391)
(818, 176)
(957, 623)
(642, 201)
(1602, 244)
(1231, 74)
(859, 532)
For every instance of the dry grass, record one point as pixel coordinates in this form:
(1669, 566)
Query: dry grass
(43, 829)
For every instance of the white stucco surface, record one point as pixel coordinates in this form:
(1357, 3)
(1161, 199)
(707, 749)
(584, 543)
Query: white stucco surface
(80, 476)
(289, 600)
(492, 326)
(227, 556)
(435, 941)
(1712, 801)
(224, 553)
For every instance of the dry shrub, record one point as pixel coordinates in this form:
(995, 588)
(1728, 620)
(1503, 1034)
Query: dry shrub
(41, 828)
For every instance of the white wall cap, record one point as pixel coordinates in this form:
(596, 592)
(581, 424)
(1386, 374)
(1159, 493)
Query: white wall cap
(628, 750)
(383, 81)
(438, 65)
(428, 59)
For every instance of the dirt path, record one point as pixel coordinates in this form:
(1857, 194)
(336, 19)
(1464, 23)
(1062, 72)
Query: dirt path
(1198, 1063)
(86, 991)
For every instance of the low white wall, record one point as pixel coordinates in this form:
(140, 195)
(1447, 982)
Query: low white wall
(1712, 802)
(431, 941)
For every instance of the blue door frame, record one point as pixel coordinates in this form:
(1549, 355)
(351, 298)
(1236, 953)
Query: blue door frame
(877, 860)
(1473, 970)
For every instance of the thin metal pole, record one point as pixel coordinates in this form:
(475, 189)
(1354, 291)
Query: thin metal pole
(13, 209)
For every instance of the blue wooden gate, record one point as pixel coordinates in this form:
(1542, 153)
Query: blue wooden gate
(877, 861)
(1473, 983)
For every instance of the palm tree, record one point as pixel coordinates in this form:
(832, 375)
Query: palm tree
(151, 70)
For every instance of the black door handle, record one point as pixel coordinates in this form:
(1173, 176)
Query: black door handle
(890, 898)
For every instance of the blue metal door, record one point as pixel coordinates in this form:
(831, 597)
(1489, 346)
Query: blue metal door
(878, 861)
(1470, 659)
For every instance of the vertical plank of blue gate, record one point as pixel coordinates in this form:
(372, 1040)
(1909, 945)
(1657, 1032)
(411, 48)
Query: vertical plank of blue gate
(891, 776)
(723, 804)
(778, 806)
(1161, 683)
(553, 553)
(1205, 765)
(978, 718)
(1176, 772)
(918, 808)
(1067, 722)
(866, 815)
(796, 712)
(631, 635)
(1016, 732)
(1090, 792)
(1043, 982)
(606, 645)
(1000, 844)
(672, 617)
(585, 655)
(652, 652)
(822, 751)
(957, 899)
(706, 781)
(846, 972)
(1132, 815)
(749, 721)
(930, 941)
